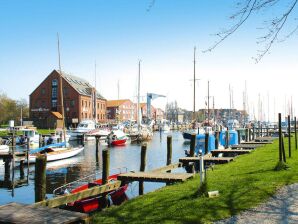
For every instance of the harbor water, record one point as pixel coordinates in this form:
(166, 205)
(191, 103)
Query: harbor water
(86, 163)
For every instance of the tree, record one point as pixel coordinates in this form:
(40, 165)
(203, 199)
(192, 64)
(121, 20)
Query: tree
(11, 109)
(274, 26)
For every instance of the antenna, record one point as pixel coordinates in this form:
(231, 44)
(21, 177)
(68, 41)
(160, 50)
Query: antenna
(61, 89)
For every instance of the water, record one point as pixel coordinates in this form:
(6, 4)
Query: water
(65, 171)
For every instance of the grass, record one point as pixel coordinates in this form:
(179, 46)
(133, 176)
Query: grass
(242, 184)
(40, 131)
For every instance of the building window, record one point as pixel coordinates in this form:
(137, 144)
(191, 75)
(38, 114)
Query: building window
(82, 103)
(72, 103)
(54, 92)
(86, 116)
(43, 91)
(43, 104)
(54, 82)
(97, 105)
(85, 103)
(89, 104)
(54, 105)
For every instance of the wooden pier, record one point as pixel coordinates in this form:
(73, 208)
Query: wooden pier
(207, 160)
(229, 152)
(28, 214)
(245, 146)
(155, 177)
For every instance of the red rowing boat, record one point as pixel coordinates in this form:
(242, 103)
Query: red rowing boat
(86, 205)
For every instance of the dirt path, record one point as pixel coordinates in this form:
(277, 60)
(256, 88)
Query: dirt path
(281, 208)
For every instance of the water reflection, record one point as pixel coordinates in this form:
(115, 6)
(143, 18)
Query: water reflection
(88, 162)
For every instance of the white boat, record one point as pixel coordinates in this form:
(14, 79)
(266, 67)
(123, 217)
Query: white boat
(84, 127)
(4, 148)
(28, 133)
(57, 153)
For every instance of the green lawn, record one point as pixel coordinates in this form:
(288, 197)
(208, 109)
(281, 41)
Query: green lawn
(242, 184)
(40, 131)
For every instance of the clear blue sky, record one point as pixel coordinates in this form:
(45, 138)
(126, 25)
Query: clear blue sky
(117, 33)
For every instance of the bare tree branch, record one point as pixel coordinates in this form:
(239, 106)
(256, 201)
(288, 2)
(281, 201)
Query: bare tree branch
(274, 26)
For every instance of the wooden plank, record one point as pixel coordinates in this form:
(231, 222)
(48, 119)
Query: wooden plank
(64, 199)
(217, 160)
(154, 177)
(167, 168)
(231, 153)
(244, 146)
(21, 213)
(256, 143)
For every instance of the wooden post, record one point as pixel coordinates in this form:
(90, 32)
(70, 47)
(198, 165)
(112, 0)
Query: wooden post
(239, 137)
(216, 139)
(261, 135)
(267, 132)
(227, 139)
(289, 133)
(105, 165)
(169, 149)
(40, 178)
(142, 166)
(206, 143)
(7, 169)
(246, 134)
(295, 126)
(280, 137)
(13, 142)
(283, 148)
(249, 134)
(253, 132)
(40, 141)
(192, 145)
(22, 169)
(97, 144)
(27, 158)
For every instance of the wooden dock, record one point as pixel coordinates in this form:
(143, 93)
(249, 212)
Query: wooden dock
(207, 160)
(245, 146)
(11, 155)
(155, 177)
(229, 152)
(27, 214)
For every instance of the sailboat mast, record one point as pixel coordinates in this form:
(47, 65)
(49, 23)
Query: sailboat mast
(61, 90)
(194, 85)
(95, 95)
(208, 110)
(138, 104)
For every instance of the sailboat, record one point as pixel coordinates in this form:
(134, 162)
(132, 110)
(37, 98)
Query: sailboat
(60, 150)
(143, 132)
(187, 134)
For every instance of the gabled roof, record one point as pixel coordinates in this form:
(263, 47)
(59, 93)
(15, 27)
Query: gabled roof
(82, 86)
(116, 103)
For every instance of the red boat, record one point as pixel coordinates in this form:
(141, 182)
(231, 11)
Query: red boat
(116, 138)
(115, 197)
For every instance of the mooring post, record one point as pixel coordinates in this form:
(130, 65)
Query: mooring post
(216, 139)
(142, 166)
(249, 134)
(22, 169)
(279, 137)
(192, 145)
(40, 177)
(253, 132)
(7, 169)
(227, 139)
(13, 142)
(289, 135)
(169, 149)
(206, 143)
(40, 141)
(97, 144)
(267, 131)
(105, 165)
(295, 126)
(27, 158)
(246, 134)
(239, 137)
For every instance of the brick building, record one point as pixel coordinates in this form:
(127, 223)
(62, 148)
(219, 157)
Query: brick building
(121, 110)
(79, 102)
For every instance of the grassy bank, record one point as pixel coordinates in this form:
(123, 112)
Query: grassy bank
(242, 184)
(40, 131)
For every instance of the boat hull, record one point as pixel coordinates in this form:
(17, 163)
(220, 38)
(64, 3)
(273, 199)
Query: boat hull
(59, 154)
(118, 142)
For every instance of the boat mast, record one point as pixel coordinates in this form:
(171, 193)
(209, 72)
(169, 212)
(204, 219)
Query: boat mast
(208, 105)
(95, 96)
(138, 104)
(194, 86)
(61, 91)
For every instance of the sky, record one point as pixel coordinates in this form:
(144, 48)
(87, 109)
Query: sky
(116, 34)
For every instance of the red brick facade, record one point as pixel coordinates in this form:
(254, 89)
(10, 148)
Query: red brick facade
(77, 98)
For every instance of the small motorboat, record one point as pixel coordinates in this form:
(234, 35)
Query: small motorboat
(90, 204)
(116, 138)
(4, 148)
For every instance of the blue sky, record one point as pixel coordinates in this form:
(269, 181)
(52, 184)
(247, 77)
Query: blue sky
(117, 33)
